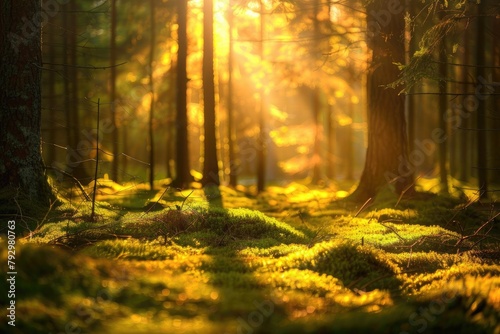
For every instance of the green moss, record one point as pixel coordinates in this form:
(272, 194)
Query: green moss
(319, 270)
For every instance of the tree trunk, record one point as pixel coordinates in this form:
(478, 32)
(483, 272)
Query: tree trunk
(112, 94)
(210, 164)
(316, 103)
(183, 176)
(387, 154)
(443, 105)
(233, 178)
(482, 151)
(21, 165)
(152, 92)
(261, 140)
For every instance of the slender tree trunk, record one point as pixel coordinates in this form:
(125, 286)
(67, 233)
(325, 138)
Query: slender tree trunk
(464, 137)
(152, 92)
(261, 141)
(21, 165)
(443, 105)
(387, 154)
(410, 98)
(211, 163)
(233, 178)
(183, 176)
(482, 149)
(316, 104)
(112, 94)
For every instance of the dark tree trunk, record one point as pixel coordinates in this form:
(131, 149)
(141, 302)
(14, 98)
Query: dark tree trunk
(112, 94)
(387, 154)
(152, 92)
(183, 176)
(210, 164)
(261, 140)
(21, 165)
(482, 151)
(443, 104)
(233, 178)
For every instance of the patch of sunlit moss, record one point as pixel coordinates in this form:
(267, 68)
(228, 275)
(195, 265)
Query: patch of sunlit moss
(392, 214)
(424, 261)
(134, 249)
(305, 280)
(273, 251)
(438, 280)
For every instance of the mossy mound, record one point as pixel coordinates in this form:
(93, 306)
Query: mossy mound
(217, 226)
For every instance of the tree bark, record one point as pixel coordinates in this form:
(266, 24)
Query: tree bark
(482, 150)
(387, 153)
(210, 163)
(21, 165)
(183, 176)
(233, 174)
(261, 140)
(152, 92)
(112, 94)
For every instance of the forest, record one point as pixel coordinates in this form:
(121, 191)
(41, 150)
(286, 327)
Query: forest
(250, 166)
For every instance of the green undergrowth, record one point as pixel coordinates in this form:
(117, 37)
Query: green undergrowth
(298, 263)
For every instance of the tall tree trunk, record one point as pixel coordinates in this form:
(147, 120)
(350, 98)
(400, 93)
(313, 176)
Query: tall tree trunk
(387, 154)
(482, 149)
(210, 164)
(152, 92)
(261, 140)
(410, 98)
(183, 176)
(21, 165)
(233, 178)
(464, 135)
(316, 103)
(112, 94)
(443, 105)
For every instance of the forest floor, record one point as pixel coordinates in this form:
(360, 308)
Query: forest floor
(291, 260)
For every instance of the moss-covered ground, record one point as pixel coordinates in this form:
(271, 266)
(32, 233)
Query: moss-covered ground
(291, 260)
